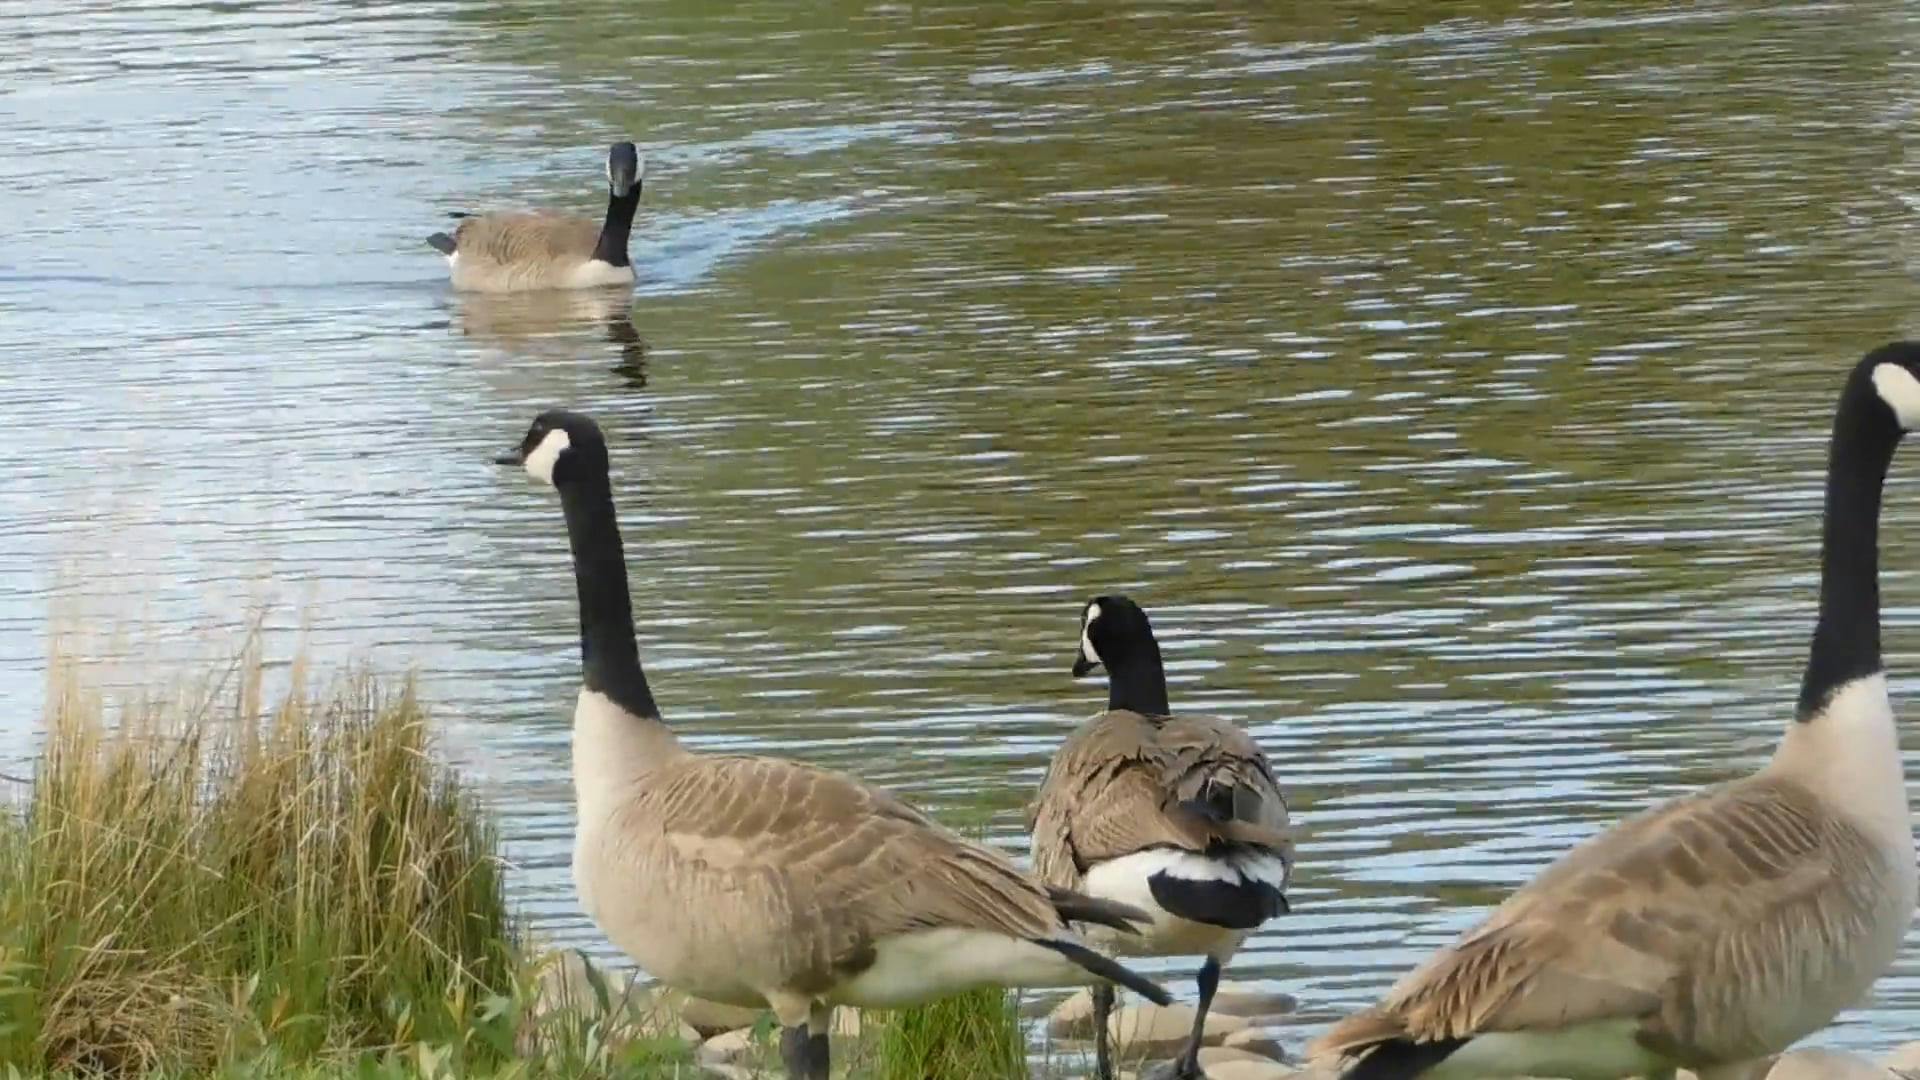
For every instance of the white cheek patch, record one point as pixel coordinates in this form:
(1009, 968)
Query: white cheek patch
(540, 463)
(1086, 636)
(1901, 391)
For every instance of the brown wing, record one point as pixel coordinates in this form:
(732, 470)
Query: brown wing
(1634, 922)
(1124, 783)
(841, 864)
(530, 237)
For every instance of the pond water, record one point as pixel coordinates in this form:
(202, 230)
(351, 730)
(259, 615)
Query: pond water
(1453, 390)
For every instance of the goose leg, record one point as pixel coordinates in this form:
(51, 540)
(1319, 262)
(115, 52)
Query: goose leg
(795, 1052)
(802, 1053)
(1187, 1065)
(819, 1051)
(1102, 1051)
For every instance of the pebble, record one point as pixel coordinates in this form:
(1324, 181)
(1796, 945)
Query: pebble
(1256, 1041)
(1904, 1058)
(1825, 1065)
(564, 985)
(1252, 1069)
(1251, 999)
(1160, 1031)
(728, 1048)
(1072, 1018)
(1220, 1055)
(709, 1018)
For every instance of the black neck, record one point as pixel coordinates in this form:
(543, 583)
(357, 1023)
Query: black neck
(609, 657)
(1846, 640)
(612, 248)
(1137, 682)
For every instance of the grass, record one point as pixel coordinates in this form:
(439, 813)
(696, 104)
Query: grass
(205, 883)
(975, 1034)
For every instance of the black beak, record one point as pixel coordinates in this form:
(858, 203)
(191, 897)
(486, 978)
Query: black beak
(1082, 665)
(512, 457)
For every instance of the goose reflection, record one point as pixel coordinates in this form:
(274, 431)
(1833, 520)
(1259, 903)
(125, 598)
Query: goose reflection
(555, 323)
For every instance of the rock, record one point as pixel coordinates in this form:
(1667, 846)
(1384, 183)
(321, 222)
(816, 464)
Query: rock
(1250, 999)
(1905, 1058)
(1825, 1065)
(727, 1048)
(1251, 1069)
(709, 1018)
(1072, 1018)
(1220, 1055)
(565, 985)
(1256, 1041)
(1156, 1031)
(846, 1023)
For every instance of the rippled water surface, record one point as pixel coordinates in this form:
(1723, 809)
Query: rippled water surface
(1452, 389)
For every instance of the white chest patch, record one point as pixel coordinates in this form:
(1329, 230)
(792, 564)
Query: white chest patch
(1901, 391)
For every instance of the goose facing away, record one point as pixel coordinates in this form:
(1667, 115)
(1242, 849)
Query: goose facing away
(1179, 816)
(527, 250)
(1720, 927)
(757, 880)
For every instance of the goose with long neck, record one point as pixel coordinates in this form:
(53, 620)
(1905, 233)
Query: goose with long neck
(761, 881)
(1179, 816)
(1715, 930)
(534, 250)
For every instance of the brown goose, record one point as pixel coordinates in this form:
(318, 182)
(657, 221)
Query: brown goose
(525, 251)
(1178, 816)
(755, 880)
(1716, 929)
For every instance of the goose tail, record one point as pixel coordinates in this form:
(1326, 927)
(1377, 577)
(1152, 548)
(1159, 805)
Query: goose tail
(1107, 969)
(1079, 907)
(441, 243)
(1402, 1059)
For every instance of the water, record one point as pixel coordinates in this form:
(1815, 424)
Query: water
(1452, 390)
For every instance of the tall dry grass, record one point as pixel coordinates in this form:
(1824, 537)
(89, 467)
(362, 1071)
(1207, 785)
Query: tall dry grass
(206, 882)
(201, 875)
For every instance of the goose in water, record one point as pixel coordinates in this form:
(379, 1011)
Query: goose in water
(1716, 929)
(524, 251)
(1177, 815)
(761, 881)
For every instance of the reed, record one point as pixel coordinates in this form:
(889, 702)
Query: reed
(206, 882)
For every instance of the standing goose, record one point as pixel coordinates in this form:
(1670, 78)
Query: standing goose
(1718, 928)
(1176, 815)
(524, 251)
(760, 881)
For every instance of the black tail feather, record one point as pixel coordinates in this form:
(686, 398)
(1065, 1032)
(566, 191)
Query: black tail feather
(441, 243)
(1078, 907)
(1402, 1059)
(1236, 905)
(1108, 969)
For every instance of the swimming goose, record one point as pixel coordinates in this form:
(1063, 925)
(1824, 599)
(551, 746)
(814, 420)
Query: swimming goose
(1176, 815)
(760, 881)
(523, 251)
(1718, 928)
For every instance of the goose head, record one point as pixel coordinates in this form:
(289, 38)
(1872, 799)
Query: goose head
(560, 448)
(624, 169)
(1113, 631)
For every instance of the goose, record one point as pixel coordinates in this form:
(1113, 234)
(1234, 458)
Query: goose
(527, 250)
(1176, 815)
(1714, 930)
(759, 881)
